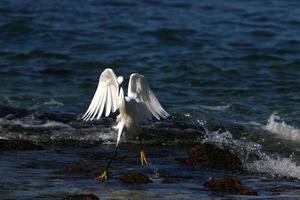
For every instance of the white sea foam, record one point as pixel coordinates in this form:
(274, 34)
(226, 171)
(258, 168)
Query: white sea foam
(243, 147)
(27, 123)
(216, 108)
(39, 130)
(275, 166)
(53, 102)
(282, 129)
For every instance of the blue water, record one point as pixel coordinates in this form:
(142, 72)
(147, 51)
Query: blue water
(226, 63)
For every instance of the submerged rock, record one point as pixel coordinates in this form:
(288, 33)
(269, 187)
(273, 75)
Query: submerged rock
(81, 170)
(81, 197)
(210, 156)
(19, 145)
(174, 179)
(228, 185)
(135, 178)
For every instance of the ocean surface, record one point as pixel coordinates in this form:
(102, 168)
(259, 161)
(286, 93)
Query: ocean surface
(232, 67)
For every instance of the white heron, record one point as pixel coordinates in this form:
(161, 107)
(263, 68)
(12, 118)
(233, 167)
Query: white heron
(137, 107)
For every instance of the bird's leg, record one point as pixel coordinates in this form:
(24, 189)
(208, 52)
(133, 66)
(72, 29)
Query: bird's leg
(103, 176)
(142, 153)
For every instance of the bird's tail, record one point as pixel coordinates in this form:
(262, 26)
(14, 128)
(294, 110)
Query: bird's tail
(121, 127)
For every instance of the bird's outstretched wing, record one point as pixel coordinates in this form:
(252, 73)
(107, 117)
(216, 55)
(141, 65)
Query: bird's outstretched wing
(106, 96)
(138, 88)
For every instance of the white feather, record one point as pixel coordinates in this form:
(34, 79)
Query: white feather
(106, 93)
(102, 104)
(138, 88)
(108, 103)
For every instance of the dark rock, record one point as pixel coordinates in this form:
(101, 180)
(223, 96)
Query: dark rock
(171, 136)
(135, 178)
(10, 116)
(228, 185)
(81, 197)
(210, 156)
(20, 145)
(12, 112)
(59, 117)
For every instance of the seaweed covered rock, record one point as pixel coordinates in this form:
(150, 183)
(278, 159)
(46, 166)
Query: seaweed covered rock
(228, 185)
(81, 197)
(135, 178)
(19, 145)
(210, 156)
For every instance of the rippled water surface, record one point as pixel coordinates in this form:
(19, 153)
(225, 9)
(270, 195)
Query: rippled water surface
(231, 65)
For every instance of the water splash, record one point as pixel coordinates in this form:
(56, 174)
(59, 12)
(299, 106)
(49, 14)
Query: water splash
(243, 147)
(276, 167)
(282, 129)
(253, 157)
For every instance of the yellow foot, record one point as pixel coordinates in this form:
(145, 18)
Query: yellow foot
(102, 177)
(143, 158)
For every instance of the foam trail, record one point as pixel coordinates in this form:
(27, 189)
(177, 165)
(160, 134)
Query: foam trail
(282, 129)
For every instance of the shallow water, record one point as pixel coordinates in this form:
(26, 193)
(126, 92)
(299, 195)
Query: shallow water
(230, 65)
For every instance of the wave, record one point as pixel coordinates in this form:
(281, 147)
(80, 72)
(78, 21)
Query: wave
(253, 157)
(282, 129)
(61, 129)
(53, 102)
(216, 108)
(50, 103)
(51, 128)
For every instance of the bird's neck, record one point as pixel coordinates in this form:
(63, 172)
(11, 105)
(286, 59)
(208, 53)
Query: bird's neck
(121, 98)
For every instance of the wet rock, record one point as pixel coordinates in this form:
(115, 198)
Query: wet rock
(19, 145)
(12, 112)
(59, 117)
(10, 116)
(135, 178)
(210, 156)
(171, 136)
(81, 197)
(228, 185)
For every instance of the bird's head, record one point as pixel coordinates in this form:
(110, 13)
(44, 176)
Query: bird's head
(120, 80)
